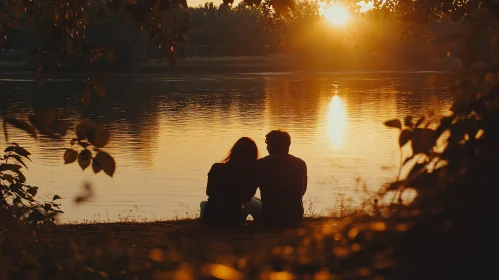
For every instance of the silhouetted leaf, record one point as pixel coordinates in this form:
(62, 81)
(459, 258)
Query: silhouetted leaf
(423, 140)
(70, 156)
(394, 123)
(9, 167)
(56, 197)
(420, 121)
(408, 121)
(18, 158)
(96, 167)
(405, 136)
(106, 162)
(36, 216)
(98, 137)
(84, 159)
(9, 178)
(32, 191)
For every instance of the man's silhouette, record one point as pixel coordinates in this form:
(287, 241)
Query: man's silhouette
(282, 181)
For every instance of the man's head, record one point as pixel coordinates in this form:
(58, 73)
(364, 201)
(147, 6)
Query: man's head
(278, 142)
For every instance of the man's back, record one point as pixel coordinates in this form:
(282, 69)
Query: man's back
(283, 182)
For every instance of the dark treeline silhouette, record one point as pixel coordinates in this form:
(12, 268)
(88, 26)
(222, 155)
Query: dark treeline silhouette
(241, 30)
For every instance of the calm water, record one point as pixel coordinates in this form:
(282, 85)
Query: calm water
(168, 130)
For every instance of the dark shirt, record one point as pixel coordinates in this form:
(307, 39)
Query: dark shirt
(229, 185)
(283, 182)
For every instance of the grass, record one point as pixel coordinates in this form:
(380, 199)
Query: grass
(358, 246)
(156, 250)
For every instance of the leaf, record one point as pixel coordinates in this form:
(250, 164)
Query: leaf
(408, 121)
(405, 136)
(56, 197)
(36, 216)
(84, 159)
(21, 124)
(22, 151)
(96, 167)
(420, 121)
(20, 176)
(70, 156)
(98, 137)
(423, 140)
(395, 123)
(18, 158)
(9, 178)
(106, 162)
(9, 167)
(32, 191)
(83, 128)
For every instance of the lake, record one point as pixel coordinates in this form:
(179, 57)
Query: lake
(167, 131)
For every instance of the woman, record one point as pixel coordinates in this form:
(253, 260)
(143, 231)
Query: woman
(231, 183)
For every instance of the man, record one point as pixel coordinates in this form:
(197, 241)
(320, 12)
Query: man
(282, 181)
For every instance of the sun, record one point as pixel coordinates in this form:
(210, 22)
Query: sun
(336, 14)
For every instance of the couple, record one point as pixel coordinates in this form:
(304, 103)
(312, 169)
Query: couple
(232, 183)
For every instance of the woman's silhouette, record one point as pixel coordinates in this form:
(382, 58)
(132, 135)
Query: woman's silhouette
(231, 183)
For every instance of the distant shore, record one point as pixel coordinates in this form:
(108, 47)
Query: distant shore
(252, 64)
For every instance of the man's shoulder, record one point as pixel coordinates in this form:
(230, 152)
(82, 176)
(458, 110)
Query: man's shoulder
(288, 157)
(301, 161)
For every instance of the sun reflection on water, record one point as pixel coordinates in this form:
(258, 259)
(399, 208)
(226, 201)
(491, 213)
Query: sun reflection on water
(337, 122)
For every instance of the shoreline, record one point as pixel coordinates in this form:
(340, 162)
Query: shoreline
(253, 64)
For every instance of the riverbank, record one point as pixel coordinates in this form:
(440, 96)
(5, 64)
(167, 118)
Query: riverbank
(357, 247)
(183, 249)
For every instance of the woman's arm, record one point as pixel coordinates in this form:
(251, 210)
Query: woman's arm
(212, 179)
(250, 184)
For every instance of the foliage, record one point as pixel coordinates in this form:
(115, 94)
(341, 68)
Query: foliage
(86, 146)
(17, 199)
(90, 136)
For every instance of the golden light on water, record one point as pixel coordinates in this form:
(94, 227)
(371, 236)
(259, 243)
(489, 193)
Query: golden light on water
(336, 14)
(337, 122)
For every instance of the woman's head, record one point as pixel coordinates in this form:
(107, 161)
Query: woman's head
(244, 150)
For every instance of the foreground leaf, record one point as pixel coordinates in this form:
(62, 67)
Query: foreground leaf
(105, 162)
(394, 123)
(84, 159)
(404, 137)
(70, 156)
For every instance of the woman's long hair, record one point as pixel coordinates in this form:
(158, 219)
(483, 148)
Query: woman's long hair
(243, 151)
